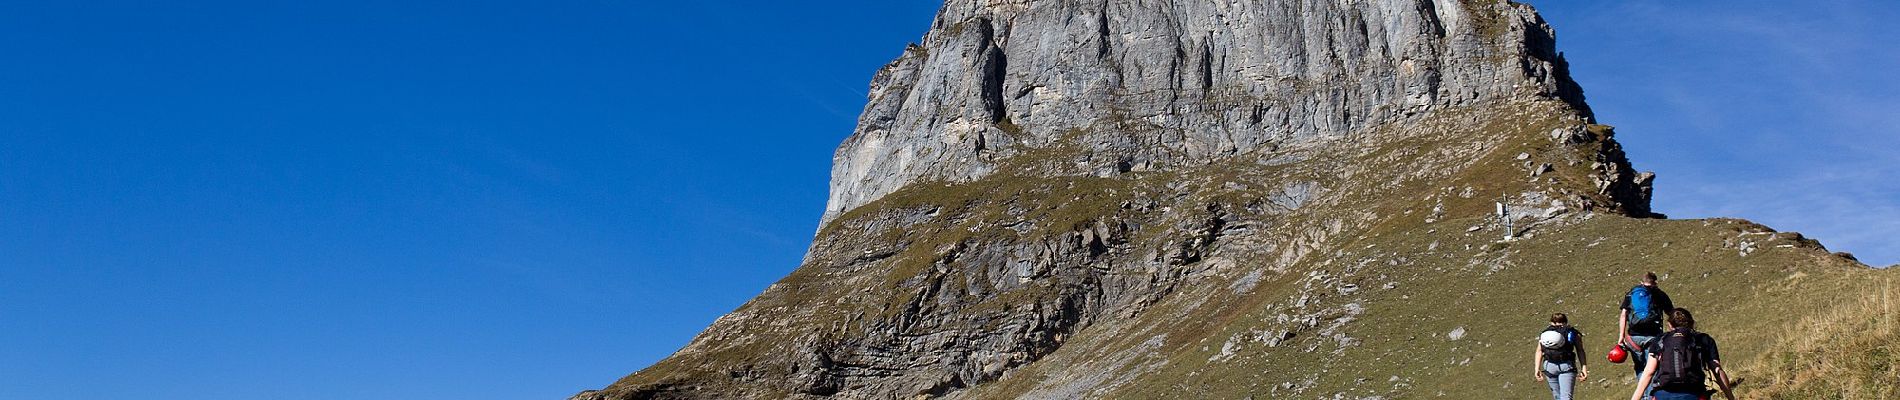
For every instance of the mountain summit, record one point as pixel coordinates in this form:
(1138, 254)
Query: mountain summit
(1242, 199)
(1164, 85)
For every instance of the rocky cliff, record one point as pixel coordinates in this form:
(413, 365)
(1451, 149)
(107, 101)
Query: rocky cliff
(1149, 85)
(1268, 199)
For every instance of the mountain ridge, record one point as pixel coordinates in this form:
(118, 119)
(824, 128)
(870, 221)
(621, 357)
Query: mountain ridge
(980, 245)
(992, 79)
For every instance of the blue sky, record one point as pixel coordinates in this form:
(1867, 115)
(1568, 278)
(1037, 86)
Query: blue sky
(1785, 113)
(501, 200)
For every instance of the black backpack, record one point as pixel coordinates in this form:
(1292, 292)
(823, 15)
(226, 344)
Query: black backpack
(1679, 361)
(1566, 352)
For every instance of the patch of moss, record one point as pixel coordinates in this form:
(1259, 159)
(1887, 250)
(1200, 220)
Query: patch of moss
(1008, 126)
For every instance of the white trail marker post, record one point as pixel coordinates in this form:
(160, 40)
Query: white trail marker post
(1504, 215)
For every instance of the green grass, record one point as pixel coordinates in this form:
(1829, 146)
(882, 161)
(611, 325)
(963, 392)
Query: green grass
(1367, 228)
(1446, 279)
(1844, 350)
(1009, 126)
(1743, 301)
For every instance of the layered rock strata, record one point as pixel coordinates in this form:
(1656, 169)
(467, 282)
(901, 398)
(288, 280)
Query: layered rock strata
(1065, 178)
(1164, 84)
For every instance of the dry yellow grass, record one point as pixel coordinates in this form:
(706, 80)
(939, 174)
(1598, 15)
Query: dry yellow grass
(1847, 352)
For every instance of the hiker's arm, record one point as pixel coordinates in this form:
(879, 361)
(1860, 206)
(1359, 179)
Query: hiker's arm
(1583, 360)
(1623, 327)
(1721, 380)
(1537, 361)
(1642, 380)
(1583, 357)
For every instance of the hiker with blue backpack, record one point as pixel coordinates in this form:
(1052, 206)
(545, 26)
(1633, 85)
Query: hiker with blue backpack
(1679, 362)
(1641, 321)
(1560, 360)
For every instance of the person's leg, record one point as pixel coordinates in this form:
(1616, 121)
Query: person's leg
(1562, 379)
(1567, 384)
(1641, 354)
(1551, 380)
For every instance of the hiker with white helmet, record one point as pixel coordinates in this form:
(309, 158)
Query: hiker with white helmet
(1560, 358)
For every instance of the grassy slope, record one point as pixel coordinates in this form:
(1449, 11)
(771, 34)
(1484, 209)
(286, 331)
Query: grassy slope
(1442, 278)
(1499, 294)
(1848, 351)
(1502, 300)
(1749, 303)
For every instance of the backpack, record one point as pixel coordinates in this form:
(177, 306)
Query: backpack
(1679, 362)
(1565, 353)
(1643, 306)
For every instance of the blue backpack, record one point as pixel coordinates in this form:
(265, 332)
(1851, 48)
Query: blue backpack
(1643, 307)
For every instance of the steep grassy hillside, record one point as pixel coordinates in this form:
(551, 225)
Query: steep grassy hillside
(1845, 350)
(1422, 306)
(1367, 271)
(1422, 298)
(1393, 304)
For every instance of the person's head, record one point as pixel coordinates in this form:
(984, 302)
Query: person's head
(1680, 318)
(1649, 278)
(1559, 319)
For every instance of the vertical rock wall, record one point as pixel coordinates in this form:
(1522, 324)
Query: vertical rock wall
(1166, 84)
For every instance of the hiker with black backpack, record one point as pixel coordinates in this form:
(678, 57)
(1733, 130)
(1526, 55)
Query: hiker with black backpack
(1642, 318)
(1560, 359)
(1677, 363)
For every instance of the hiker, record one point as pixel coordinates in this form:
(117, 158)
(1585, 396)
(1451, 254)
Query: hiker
(1677, 362)
(1641, 319)
(1560, 359)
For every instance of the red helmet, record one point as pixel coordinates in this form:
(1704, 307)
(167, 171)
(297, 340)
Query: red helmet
(1617, 355)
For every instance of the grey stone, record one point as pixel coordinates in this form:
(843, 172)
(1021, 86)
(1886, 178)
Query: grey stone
(1109, 89)
(1169, 84)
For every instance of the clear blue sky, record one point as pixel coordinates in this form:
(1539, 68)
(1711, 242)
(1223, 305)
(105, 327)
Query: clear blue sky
(505, 200)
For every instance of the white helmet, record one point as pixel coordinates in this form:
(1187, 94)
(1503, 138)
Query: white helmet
(1551, 339)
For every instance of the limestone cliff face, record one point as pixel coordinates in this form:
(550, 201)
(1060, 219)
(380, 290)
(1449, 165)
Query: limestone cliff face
(1167, 84)
(1094, 198)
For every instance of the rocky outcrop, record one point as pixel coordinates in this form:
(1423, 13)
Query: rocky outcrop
(941, 289)
(1159, 85)
(880, 312)
(1038, 174)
